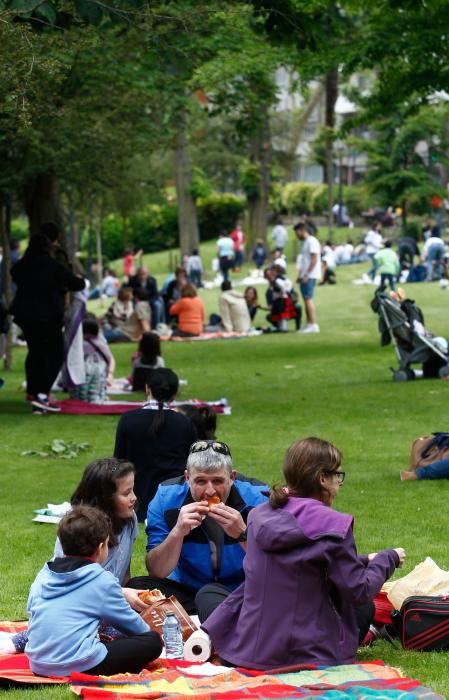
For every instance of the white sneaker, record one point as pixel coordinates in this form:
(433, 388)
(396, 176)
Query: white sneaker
(311, 328)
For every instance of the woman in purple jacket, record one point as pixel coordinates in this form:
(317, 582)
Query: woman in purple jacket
(304, 581)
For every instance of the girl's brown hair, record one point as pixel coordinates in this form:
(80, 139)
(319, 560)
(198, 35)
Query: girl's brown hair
(304, 463)
(189, 290)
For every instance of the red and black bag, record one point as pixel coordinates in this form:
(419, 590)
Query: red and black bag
(423, 623)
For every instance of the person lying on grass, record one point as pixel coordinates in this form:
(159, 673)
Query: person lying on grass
(72, 595)
(307, 594)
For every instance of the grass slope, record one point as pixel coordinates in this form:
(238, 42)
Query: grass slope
(336, 385)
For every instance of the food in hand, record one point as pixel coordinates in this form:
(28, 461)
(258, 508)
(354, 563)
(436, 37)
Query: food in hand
(213, 500)
(150, 597)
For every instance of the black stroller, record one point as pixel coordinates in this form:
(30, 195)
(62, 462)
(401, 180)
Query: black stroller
(402, 323)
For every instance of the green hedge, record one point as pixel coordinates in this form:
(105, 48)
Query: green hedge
(298, 197)
(218, 212)
(156, 227)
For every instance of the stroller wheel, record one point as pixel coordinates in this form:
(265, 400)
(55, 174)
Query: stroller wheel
(443, 372)
(401, 375)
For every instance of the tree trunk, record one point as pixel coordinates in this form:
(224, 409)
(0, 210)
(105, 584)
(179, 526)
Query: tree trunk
(189, 237)
(331, 86)
(42, 203)
(260, 154)
(5, 237)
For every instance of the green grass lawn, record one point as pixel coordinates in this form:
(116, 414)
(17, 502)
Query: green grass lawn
(336, 385)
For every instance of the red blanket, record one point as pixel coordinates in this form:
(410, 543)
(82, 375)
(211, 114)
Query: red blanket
(76, 407)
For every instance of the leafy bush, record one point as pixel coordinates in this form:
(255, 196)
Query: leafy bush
(113, 237)
(297, 197)
(155, 228)
(218, 212)
(413, 229)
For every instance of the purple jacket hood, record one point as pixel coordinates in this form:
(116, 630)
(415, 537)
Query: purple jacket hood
(311, 520)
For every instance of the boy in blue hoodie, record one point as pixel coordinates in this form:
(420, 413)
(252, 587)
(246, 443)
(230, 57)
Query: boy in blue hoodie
(72, 595)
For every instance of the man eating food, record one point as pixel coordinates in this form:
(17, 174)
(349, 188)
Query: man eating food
(196, 529)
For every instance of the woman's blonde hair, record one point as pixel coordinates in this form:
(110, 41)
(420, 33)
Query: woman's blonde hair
(304, 463)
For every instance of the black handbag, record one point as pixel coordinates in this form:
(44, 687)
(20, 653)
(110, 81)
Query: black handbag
(423, 623)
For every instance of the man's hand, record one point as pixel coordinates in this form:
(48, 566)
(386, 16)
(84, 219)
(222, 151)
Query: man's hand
(190, 516)
(229, 519)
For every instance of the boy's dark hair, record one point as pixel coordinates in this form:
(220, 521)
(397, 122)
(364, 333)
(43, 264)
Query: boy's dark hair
(51, 230)
(82, 529)
(226, 285)
(90, 326)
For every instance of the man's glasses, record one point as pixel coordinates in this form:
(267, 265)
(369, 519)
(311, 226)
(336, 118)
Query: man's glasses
(340, 475)
(216, 446)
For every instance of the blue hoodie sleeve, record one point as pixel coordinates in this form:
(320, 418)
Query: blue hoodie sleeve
(116, 610)
(356, 581)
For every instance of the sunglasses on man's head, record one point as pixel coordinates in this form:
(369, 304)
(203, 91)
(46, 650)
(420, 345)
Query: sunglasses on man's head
(216, 446)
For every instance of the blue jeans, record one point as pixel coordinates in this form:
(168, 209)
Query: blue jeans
(372, 271)
(434, 259)
(387, 277)
(113, 335)
(307, 288)
(437, 470)
(157, 311)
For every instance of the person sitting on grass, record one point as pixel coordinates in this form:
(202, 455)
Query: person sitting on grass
(190, 312)
(69, 599)
(307, 594)
(148, 356)
(99, 365)
(155, 438)
(196, 529)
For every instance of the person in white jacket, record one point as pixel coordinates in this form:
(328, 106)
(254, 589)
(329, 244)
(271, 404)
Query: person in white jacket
(233, 309)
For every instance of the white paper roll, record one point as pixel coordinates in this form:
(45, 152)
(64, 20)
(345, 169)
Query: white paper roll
(198, 647)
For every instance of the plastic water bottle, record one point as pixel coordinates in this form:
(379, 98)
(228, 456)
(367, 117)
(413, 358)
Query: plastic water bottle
(171, 632)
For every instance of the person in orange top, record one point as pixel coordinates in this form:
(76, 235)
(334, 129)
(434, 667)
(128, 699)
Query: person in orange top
(190, 312)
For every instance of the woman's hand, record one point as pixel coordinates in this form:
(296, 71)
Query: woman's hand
(401, 554)
(131, 595)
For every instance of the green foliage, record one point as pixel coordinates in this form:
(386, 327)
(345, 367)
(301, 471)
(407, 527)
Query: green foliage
(112, 237)
(154, 228)
(218, 212)
(297, 197)
(413, 229)
(250, 178)
(58, 448)
(201, 187)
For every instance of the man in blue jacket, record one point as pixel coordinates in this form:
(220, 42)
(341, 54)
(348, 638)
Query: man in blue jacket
(196, 529)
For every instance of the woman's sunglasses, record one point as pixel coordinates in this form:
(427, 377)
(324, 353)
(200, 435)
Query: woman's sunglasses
(216, 446)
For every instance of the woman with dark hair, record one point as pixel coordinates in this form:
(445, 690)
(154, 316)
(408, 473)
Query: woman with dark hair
(148, 356)
(155, 438)
(38, 308)
(204, 420)
(307, 595)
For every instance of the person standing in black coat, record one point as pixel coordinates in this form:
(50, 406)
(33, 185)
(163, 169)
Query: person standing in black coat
(155, 438)
(38, 308)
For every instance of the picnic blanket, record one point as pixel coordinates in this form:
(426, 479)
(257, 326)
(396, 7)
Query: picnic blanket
(77, 407)
(217, 335)
(171, 680)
